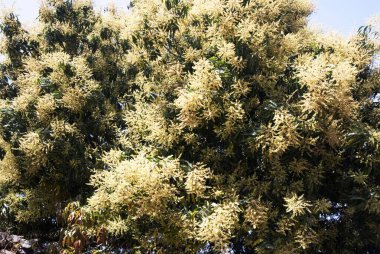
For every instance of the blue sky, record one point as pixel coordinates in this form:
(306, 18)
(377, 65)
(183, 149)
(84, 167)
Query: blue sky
(342, 16)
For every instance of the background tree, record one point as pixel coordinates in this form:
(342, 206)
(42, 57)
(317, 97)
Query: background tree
(59, 109)
(213, 126)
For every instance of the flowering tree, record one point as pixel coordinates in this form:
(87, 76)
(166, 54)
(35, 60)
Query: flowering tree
(211, 126)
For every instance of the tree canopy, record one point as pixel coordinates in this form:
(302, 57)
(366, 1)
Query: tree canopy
(189, 126)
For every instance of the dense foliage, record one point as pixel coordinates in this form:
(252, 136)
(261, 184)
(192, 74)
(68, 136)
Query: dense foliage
(190, 126)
